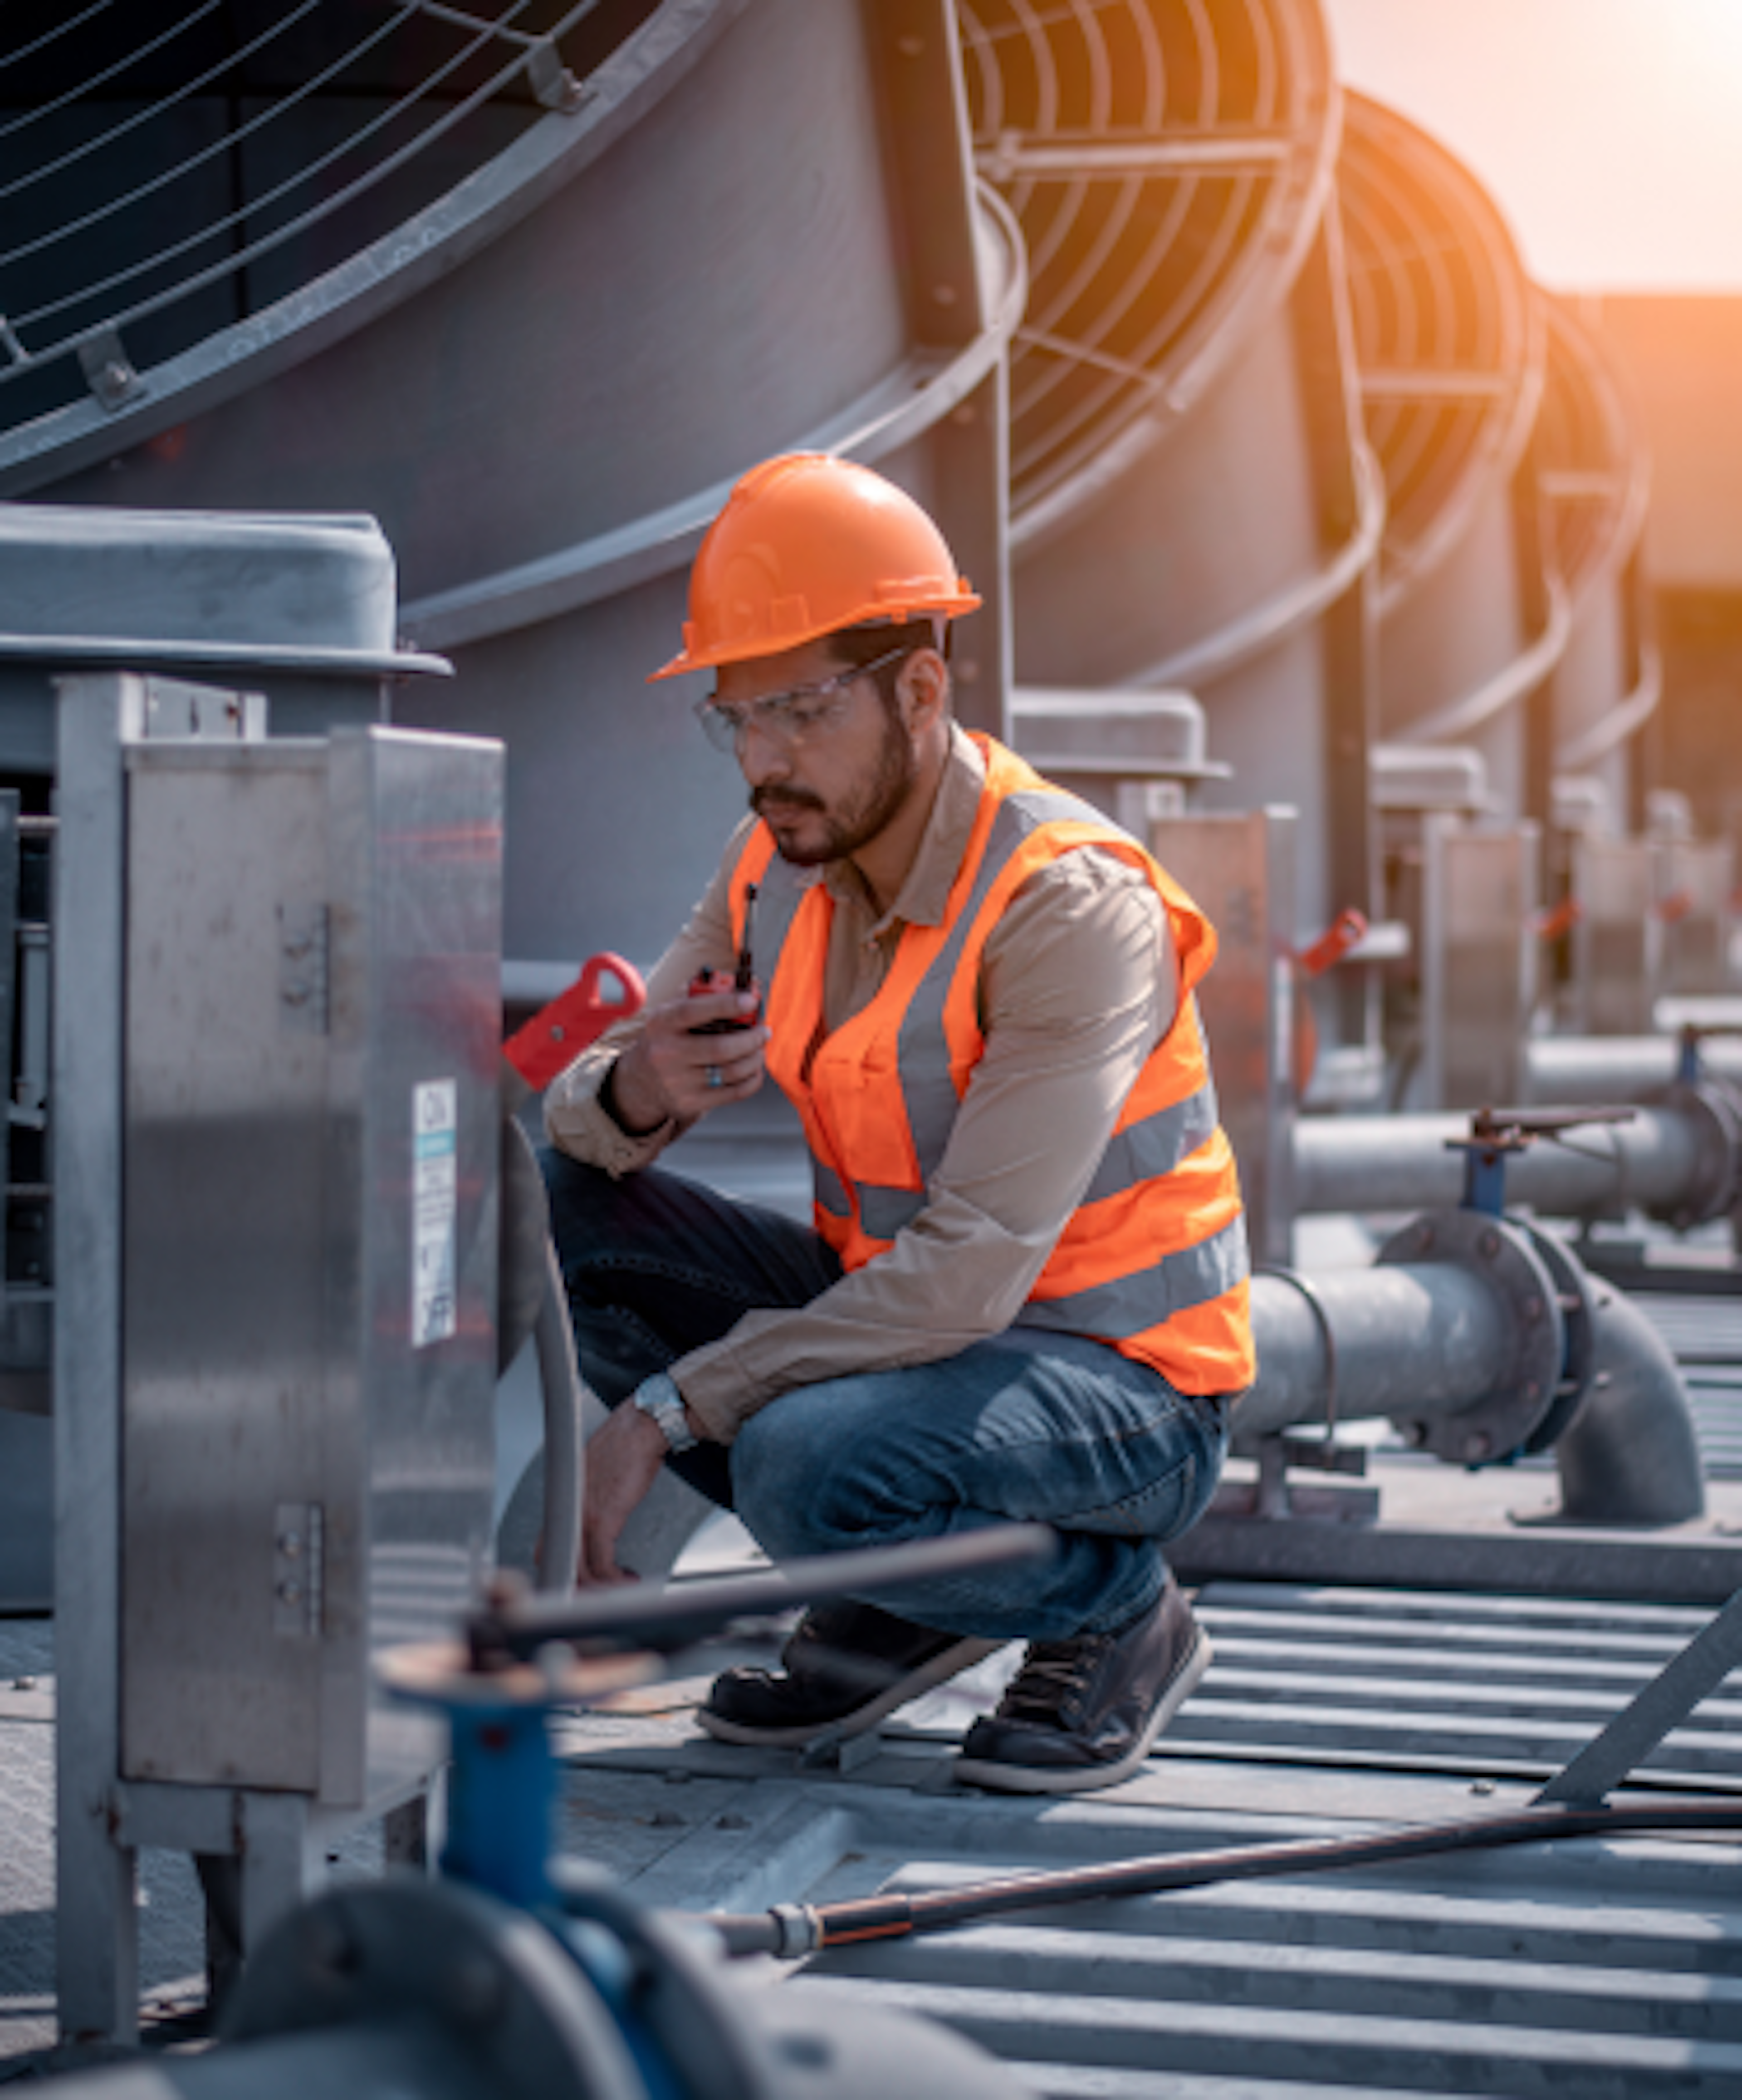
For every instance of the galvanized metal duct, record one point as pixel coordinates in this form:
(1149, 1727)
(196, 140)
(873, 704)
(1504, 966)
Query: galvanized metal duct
(1167, 164)
(1191, 499)
(1596, 481)
(1452, 342)
(193, 204)
(1679, 1159)
(614, 317)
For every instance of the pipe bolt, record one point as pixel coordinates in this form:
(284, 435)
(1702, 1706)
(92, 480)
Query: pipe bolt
(329, 1952)
(1477, 1446)
(477, 1990)
(1489, 1245)
(1533, 1310)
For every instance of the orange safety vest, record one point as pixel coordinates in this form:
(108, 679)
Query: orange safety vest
(1153, 1259)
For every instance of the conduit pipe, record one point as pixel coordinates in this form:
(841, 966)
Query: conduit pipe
(1679, 1160)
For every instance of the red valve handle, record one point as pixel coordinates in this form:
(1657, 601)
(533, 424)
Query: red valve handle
(1675, 906)
(557, 1034)
(1565, 916)
(1347, 930)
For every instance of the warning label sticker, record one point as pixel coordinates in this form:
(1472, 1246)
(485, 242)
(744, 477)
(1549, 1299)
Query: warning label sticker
(435, 1164)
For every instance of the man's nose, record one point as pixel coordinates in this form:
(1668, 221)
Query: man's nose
(761, 757)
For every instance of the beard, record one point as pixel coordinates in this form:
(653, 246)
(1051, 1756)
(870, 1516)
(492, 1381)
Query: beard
(855, 822)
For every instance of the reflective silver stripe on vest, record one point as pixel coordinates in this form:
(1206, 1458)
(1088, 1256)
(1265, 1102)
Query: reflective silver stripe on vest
(923, 1052)
(882, 1212)
(783, 889)
(1155, 1146)
(1132, 1305)
(828, 1189)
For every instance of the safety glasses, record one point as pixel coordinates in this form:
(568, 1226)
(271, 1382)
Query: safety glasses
(788, 718)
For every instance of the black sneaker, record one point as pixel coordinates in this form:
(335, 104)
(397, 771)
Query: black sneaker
(1082, 1713)
(844, 1667)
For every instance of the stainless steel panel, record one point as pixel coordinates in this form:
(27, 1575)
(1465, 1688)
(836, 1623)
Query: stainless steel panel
(224, 1408)
(1241, 870)
(1694, 892)
(1618, 944)
(415, 838)
(1479, 960)
(313, 938)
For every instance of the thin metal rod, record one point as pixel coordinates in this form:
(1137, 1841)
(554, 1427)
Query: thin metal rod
(233, 263)
(1642, 1723)
(230, 140)
(791, 1931)
(103, 138)
(473, 22)
(47, 109)
(49, 36)
(680, 1614)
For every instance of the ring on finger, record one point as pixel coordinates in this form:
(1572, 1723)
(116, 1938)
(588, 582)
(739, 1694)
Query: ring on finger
(712, 1078)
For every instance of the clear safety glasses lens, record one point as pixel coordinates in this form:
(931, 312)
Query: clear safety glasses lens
(786, 718)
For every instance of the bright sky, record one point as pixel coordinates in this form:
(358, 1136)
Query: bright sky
(1609, 131)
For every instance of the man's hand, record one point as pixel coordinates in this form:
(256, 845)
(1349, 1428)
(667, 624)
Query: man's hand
(622, 1460)
(668, 1071)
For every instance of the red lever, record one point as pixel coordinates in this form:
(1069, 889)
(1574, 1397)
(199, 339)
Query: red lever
(1564, 917)
(1348, 929)
(557, 1034)
(1677, 905)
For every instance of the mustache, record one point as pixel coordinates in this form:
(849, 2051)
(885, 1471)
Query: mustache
(762, 799)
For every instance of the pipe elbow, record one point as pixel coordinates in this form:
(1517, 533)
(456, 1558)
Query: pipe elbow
(1629, 1455)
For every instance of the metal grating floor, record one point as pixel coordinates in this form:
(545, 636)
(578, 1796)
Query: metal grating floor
(1426, 1681)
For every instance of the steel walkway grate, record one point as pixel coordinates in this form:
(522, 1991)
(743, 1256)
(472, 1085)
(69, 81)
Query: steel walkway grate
(1465, 1976)
(1705, 1336)
(1483, 1685)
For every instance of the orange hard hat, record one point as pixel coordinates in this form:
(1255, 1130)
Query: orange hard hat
(806, 544)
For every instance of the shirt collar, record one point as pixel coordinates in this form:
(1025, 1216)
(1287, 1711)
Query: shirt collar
(923, 897)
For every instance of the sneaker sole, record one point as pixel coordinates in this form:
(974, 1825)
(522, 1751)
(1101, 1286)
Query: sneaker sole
(950, 1662)
(1083, 1778)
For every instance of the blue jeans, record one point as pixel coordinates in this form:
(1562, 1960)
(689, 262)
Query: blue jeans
(1027, 1425)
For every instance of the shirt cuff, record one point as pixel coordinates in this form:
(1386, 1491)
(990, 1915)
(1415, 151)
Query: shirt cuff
(577, 1123)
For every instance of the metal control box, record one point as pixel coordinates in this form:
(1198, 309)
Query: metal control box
(310, 1131)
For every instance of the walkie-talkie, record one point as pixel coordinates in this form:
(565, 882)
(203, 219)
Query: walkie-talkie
(743, 978)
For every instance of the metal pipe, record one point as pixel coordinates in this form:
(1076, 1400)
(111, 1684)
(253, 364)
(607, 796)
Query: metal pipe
(1432, 1341)
(1662, 1161)
(1569, 1069)
(1629, 1455)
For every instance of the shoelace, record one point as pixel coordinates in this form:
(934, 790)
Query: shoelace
(1055, 1678)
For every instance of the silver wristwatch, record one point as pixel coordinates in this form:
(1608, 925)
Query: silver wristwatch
(657, 1396)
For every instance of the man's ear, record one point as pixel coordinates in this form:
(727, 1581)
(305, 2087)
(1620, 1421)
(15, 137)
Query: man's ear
(924, 689)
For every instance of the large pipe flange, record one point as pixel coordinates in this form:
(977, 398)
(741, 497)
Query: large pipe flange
(1578, 1311)
(1531, 1364)
(1714, 1187)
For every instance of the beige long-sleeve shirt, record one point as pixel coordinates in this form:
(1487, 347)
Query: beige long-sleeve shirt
(1079, 982)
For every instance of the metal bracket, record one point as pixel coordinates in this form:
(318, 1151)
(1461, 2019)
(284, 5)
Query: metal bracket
(297, 1570)
(554, 86)
(176, 711)
(304, 932)
(109, 372)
